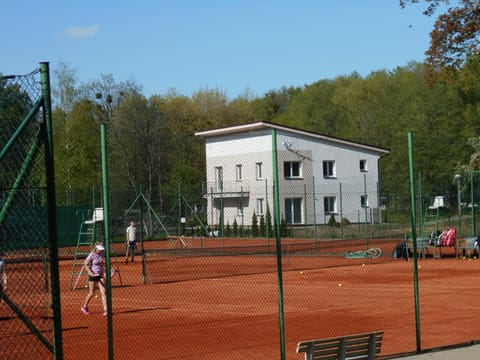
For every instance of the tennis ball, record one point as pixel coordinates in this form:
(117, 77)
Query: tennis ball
(301, 272)
(363, 264)
(340, 285)
(96, 296)
(86, 285)
(419, 266)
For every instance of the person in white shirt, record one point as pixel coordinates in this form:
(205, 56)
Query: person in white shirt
(131, 241)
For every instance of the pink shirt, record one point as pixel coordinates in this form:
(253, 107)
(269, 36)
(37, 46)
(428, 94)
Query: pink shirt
(96, 263)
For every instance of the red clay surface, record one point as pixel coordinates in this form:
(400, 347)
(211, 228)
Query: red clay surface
(236, 316)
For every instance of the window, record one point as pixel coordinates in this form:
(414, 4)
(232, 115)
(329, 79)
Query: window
(259, 206)
(293, 211)
(329, 168)
(292, 169)
(363, 165)
(238, 172)
(219, 178)
(258, 170)
(330, 204)
(364, 201)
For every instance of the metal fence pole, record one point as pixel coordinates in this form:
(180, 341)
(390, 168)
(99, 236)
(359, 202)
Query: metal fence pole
(51, 210)
(414, 242)
(276, 212)
(106, 229)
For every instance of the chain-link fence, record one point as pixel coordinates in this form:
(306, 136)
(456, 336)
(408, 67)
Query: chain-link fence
(287, 236)
(29, 305)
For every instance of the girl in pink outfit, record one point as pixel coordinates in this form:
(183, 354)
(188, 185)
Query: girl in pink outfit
(94, 263)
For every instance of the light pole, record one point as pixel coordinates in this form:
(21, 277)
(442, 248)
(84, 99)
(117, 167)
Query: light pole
(457, 177)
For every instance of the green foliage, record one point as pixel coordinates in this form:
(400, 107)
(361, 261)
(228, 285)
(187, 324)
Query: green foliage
(262, 228)
(283, 228)
(152, 146)
(14, 107)
(268, 223)
(77, 152)
(254, 227)
(454, 38)
(235, 228)
(332, 222)
(228, 230)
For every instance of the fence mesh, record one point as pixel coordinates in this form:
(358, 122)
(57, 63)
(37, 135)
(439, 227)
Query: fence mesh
(208, 262)
(206, 279)
(26, 305)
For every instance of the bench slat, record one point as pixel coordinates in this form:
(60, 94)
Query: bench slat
(357, 346)
(467, 243)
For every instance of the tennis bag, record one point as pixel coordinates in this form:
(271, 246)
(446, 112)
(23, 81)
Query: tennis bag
(400, 251)
(448, 237)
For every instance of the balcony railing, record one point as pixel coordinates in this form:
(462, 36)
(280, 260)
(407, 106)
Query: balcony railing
(227, 189)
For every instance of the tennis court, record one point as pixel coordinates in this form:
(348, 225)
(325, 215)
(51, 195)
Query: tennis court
(234, 314)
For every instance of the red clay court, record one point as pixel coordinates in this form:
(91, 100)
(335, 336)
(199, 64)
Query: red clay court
(219, 314)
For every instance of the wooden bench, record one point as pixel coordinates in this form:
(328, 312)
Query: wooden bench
(466, 245)
(357, 346)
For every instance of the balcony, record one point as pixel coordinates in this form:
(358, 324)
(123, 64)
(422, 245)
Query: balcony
(227, 189)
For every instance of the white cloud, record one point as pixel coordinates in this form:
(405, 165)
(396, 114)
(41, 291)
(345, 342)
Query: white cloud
(81, 32)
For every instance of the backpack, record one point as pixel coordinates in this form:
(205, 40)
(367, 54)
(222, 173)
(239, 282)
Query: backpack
(400, 251)
(434, 238)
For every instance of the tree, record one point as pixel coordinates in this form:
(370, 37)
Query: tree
(277, 101)
(268, 223)
(283, 227)
(181, 158)
(235, 228)
(77, 152)
(14, 106)
(65, 91)
(228, 230)
(312, 109)
(455, 36)
(262, 229)
(135, 128)
(254, 225)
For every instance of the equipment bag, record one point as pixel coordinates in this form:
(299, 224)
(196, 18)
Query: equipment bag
(448, 237)
(400, 251)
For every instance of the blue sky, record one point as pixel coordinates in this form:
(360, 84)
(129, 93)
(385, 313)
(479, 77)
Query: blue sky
(230, 45)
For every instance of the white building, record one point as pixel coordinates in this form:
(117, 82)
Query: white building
(318, 176)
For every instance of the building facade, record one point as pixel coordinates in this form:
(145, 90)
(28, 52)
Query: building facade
(319, 177)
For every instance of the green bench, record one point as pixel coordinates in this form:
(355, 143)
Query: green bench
(466, 245)
(423, 243)
(358, 346)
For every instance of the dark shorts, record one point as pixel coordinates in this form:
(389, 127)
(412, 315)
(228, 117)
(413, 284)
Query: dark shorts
(132, 245)
(95, 278)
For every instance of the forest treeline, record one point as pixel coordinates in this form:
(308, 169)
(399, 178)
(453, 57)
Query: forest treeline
(152, 147)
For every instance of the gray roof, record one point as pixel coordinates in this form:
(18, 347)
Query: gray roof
(268, 125)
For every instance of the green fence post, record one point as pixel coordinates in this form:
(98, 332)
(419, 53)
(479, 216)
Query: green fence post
(276, 212)
(106, 228)
(414, 241)
(52, 211)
